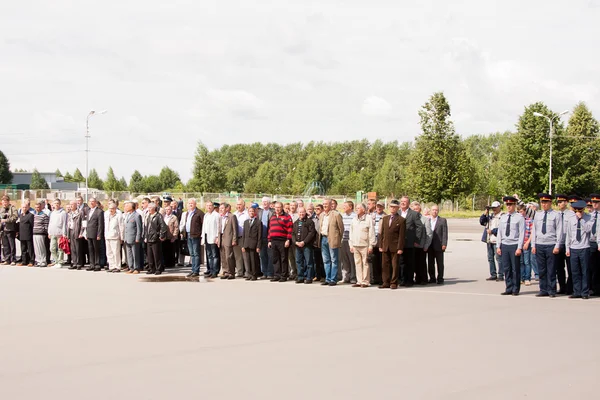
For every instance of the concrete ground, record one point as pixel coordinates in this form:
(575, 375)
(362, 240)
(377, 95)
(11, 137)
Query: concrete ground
(83, 335)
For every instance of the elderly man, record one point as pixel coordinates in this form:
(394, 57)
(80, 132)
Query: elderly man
(113, 235)
(132, 238)
(168, 246)
(313, 213)
(414, 229)
(361, 240)
(377, 215)
(348, 273)
(92, 228)
(437, 245)
(192, 233)
(8, 219)
(26, 222)
(279, 237)
(210, 239)
(241, 215)
(251, 243)
(423, 244)
(155, 231)
(331, 228)
(303, 236)
(227, 240)
(73, 229)
(266, 254)
(40, 234)
(57, 229)
(392, 235)
(292, 249)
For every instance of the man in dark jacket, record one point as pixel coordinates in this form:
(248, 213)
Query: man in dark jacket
(8, 227)
(303, 236)
(251, 240)
(155, 231)
(26, 235)
(93, 228)
(414, 231)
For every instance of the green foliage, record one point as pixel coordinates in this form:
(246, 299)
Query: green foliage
(68, 177)
(78, 176)
(58, 173)
(5, 175)
(112, 184)
(168, 178)
(122, 184)
(136, 182)
(37, 182)
(152, 184)
(94, 180)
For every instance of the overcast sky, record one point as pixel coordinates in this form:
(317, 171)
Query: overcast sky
(172, 73)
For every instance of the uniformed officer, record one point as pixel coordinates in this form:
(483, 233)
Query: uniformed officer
(588, 202)
(578, 229)
(545, 244)
(565, 286)
(594, 265)
(511, 232)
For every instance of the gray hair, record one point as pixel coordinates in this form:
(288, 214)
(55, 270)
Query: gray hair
(362, 205)
(266, 198)
(415, 203)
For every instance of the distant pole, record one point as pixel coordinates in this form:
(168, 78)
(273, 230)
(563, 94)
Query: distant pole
(551, 121)
(87, 148)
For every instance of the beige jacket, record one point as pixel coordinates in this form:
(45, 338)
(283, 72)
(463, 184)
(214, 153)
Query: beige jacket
(362, 232)
(335, 231)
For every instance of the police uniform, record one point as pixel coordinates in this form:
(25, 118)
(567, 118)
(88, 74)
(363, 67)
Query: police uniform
(511, 234)
(594, 264)
(565, 285)
(545, 242)
(578, 231)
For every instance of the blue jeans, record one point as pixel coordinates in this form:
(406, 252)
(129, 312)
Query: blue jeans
(305, 263)
(512, 268)
(526, 258)
(194, 249)
(579, 267)
(330, 260)
(266, 260)
(212, 258)
(546, 261)
(534, 267)
(493, 257)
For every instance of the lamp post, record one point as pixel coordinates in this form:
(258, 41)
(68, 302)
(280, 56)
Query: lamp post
(551, 121)
(87, 147)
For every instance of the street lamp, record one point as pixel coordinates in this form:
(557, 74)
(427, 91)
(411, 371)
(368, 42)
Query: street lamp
(551, 121)
(87, 147)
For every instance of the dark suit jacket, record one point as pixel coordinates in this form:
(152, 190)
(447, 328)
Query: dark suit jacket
(392, 238)
(196, 224)
(95, 223)
(155, 228)
(76, 225)
(307, 235)
(26, 226)
(229, 234)
(440, 234)
(414, 229)
(133, 228)
(252, 238)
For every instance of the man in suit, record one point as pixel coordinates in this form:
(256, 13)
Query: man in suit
(82, 245)
(264, 214)
(424, 243)
(414, 229)
(303, 236)
(227, 240)
(193, 233)
(93, 230)
(133, 238)
(155, 232)
(74, 228)
(439, 241)
(392, 233)
(331, 229)
(251, 240)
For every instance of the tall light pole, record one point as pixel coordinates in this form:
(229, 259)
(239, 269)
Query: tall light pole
(551, 121)
(87, 147)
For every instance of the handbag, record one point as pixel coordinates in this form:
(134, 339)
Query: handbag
(63, 244)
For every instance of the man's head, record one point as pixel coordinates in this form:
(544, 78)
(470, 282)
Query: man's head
(209, 206)
(152, 207)
(327, 205)
(300, 203)
(128, 206)
(546, 201)
(511, 203)
(266, 203)
(222, 209)
(415, 206)
(79, 201)
(404, 201)
(5, 201)
(286, 207)
(348, 207)
(578, 206)
(168, 210)
(293, 207)
(39, 206)
(319, 209)
(361, 209)
(25, 207)
(435, 211)
(372, 205)
(251, 212)
(301, 212)
(278, 208)
(394, 206)
(56, 204)
(334, 204)
(191, 204)
(73, 205)
(379, 207)
(240, 205)
(595, 201)
(145, 202)
(112, 208)
(227, 207)
(310, 208)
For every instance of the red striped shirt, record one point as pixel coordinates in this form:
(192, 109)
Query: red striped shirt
(280, 227)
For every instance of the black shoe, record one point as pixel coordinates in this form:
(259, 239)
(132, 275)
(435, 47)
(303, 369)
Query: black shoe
(79, 268)
(275, 280)
(247, 278)
(89, 269)
(213, 276)
(505, 293)
(97, 269)
(308, 281)
(440, 282)
(207, 273)
(299, 281)
(224, 276)
(283, 280)
(253, 278)
(561, 292)
(500, 279)
(491, 278)
(332, 283)
(542, 295)
(324, 283)
(552, 296)
(158, 273)
(515, 294)
(230, 277)
(574, 296)
(189, 275)
(585, 297)
(72, 267)
(149, 272)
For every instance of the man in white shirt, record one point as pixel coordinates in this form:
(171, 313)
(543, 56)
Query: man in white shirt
(210, 239)
(242, 215)
(113, 235)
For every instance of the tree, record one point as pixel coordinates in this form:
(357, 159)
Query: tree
(94, 180)
(580, 155)
(122, 184)
(135, 182)
(68, 177)
(111, 183)
(37, 182)
(5, 175)
(58, 173)
(206, 173)
(168, 178)
(151, 184)
(440, 167)
(77, 176)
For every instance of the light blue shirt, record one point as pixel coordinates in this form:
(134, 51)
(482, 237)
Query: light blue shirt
(517, 230)
(265, 221)
(188, 222)
(551, 237)
(563, 216)
(585, 227)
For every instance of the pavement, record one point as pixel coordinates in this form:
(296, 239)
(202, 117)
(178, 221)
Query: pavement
(84, 335)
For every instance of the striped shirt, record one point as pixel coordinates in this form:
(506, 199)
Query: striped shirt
(280, 227)
(376, 219)
(528, 225)
(347, 220)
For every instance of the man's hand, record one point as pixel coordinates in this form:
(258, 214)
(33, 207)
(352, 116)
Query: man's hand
(443, 248)
(257, 250)
(416, 244)
(351, 249)
(234, 243)
(162, 239)
(243, 250)
(269, 245)
(400, 251)
(299, 244)
(533, 250)
(381, 249)
(49, 237)
(370, 250)
(499, 251)
(518, 252)
(568, 253)
(489, 232)
(554, 251)
(98, 238)
(526, 246)
(287, 243)
(425, 249)
(137, 241)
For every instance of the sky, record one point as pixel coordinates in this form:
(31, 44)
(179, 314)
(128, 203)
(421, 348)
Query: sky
(174, 73)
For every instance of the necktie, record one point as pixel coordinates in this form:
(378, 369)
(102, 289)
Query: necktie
(391, 218)
(595, 221)
(251, 221)
(579, 229)
(544, 223)
(507, 233)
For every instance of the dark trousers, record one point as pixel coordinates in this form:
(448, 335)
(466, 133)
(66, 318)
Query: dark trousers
(102, 257)
(168, 254)
(228, 260)
(8, 247)
(593, 275)
(266, 259)
(376, 278)
(212, 258)
(82, 250)
(546, 262)
(512, 268)
(305, 262)
(292, 260)
(407, 266)
(319, 266)
(579, 267)
(27, 256)
(421, 266)
(565, 285)
(436, 257)
(154, 256)
(48, 252)
(280, 259)
(76, 257)
(252, 260)
(389, 268)
(94, 251)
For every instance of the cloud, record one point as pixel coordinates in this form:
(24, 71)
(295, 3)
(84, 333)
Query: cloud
(239, 103)
(374, 106)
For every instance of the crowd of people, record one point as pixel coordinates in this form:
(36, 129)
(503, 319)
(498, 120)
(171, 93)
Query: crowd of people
(560, 246)
(362, 245)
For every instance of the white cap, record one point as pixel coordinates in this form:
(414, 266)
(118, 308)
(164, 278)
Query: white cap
(496, 204)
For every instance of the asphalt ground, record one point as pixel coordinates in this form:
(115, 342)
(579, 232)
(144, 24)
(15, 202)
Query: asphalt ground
(82, 335)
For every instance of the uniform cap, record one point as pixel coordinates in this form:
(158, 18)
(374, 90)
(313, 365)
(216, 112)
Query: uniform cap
(595, 197)
(561, 197)
(573, 198)
(510, 200)
(578, 205)
(496, 204)
(545, 197)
